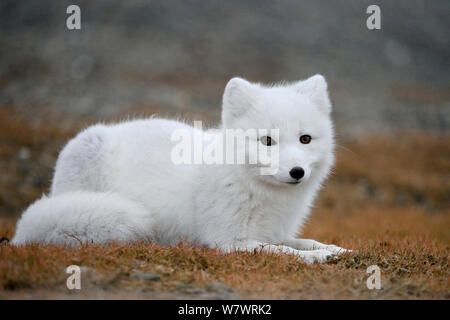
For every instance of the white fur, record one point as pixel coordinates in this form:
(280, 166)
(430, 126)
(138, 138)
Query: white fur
(118, 183)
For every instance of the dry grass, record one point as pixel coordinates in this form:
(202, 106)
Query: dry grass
(388, 200)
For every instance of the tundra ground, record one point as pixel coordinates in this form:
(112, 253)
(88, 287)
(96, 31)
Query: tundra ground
(387, 199)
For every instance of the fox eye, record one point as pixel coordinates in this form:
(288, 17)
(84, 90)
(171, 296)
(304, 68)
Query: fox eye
(267, 141)
(305, 139)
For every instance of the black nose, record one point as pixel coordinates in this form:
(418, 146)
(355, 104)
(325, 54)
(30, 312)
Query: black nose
(297, 173)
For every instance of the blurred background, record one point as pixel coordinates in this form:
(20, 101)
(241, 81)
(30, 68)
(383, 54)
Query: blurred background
(174, 58)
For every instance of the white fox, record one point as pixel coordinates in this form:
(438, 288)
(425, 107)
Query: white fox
(118, 182)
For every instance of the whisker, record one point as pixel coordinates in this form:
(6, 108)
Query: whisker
(347, 149)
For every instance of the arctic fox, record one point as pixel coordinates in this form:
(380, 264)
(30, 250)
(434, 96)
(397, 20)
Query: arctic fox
(118, 182)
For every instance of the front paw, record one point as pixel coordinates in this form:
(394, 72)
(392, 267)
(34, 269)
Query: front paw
(336, 250)
(318, 256)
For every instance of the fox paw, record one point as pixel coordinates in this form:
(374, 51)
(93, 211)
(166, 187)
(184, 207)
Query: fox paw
(318, 256)
(336, 250)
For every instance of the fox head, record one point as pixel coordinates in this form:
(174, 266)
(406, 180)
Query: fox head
(301, 112)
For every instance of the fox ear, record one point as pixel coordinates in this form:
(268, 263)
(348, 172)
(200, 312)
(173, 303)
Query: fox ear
(317, 89)
(238, 98)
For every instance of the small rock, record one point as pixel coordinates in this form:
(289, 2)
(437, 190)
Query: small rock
(24, 153)
(91, 272)
(188, 288)
(146, 276)
(181, 285)
(217, 287)
(85, 269)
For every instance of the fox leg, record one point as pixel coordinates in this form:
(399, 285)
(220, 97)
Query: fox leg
(307, 256)
(308, 244)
